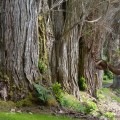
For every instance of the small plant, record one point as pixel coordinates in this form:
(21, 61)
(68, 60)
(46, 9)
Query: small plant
(42, 66)
(71, 102)
(45, 95)
(23, 103)
(57, 90)
(42, 93)
(100, 94)
(91, 106)
(110, 115)
(82, 84)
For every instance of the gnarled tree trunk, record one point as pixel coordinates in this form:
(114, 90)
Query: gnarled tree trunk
(19, 51)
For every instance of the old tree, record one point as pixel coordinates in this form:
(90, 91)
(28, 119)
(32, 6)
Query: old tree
(19, 50)
(66, 35)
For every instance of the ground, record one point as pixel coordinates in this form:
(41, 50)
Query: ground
(107, 102)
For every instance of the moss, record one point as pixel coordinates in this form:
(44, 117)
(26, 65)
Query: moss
(42, 39)
(25, 102)
(42, 66)
(52, 102)
(10, 94)
(6, 105)
(82, 84)
(4, 77)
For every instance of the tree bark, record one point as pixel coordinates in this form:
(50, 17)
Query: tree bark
(65, 50)
(19, 50)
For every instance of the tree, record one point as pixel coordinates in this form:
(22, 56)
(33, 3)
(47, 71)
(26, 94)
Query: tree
(76, 37)
(19, 50)
(112, 42)
(65, 49)
(103, 65)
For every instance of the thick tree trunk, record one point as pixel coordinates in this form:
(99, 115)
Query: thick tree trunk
(65, 51)
(19, 46)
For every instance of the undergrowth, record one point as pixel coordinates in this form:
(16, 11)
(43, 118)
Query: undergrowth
(45, 95)
(71, 102)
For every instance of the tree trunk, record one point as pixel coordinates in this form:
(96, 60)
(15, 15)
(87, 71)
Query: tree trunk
(19, 51)
(65, 50)
(71, 59)
(113, 40)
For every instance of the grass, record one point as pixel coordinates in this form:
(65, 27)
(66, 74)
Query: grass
(21, 116)
(111, 93)
(107, 82)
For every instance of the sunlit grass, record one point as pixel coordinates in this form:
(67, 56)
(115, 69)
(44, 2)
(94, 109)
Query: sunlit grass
(107, 92)
(21, 116)
(106, 82)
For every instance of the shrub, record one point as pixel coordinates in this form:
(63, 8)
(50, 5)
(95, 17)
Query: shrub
(71, 102)
(52, 102)
(6, 105)
(82, 84)
(45, 95)
(57, 90)
(42, 93)
(91, 106)
(23, 103)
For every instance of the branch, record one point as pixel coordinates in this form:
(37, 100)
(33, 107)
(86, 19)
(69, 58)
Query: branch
(93, 21)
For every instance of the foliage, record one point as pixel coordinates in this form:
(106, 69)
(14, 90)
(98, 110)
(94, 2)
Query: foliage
(42, 66)
(42, 92)
(91, 106)
(108, 75)
(67, 100)
(52, 101)
(82, 84)
(45, 95)
(6, 105)
(71, 102)
(107, 92)
(110, 115)
(116, 98)
(56, 88)
(23, 116)
(100, 94)
(104, 92)
(25, 102)
(117, 91)
(116, 95)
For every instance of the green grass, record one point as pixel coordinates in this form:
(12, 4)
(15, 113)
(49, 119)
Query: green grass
(21, 116)
(106, 82)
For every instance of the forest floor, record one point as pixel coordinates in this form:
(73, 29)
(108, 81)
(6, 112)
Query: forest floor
(108, 102)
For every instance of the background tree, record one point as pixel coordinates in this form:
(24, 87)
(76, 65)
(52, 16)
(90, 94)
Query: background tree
(112, 40)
